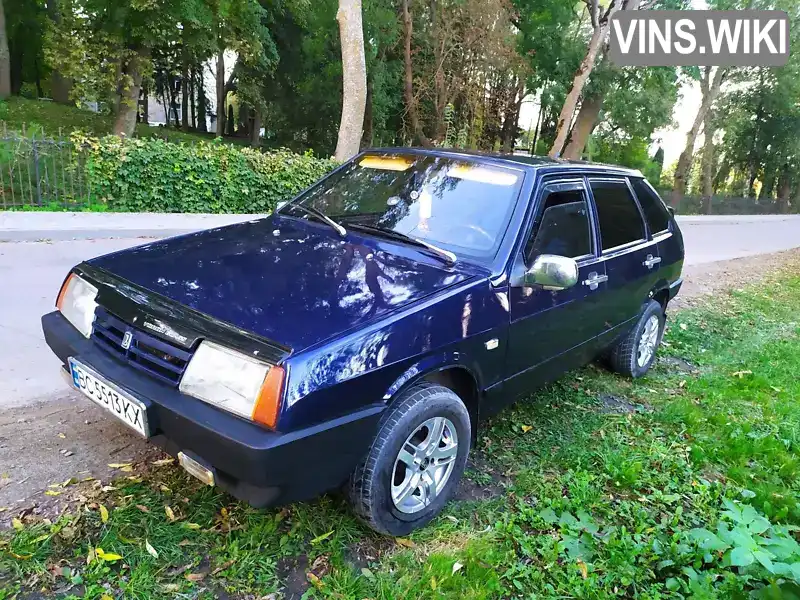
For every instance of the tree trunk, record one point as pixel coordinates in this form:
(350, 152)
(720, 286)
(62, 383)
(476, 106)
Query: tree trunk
(584, 125)
(145, 106)
(165, 102)
(5, 57)
(201, 101)
(784, 189)
(710, 90)
(408, 78)
(221, 93)
(255, 132)
(185, 84)
(129, 87)
(192, 103)
(60, 87)
(708, 163)
(768, 185)
(368, 128)
(508, 135)
(354, 79)
(229, 122)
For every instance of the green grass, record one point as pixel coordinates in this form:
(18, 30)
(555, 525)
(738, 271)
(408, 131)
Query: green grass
(51, 119)
(590, 502)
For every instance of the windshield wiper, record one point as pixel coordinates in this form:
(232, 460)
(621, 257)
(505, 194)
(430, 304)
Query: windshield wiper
(441, 253)
(314, 212)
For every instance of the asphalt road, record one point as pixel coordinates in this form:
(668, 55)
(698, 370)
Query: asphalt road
(48, 433)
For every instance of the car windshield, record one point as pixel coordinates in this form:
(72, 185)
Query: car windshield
(459, 205)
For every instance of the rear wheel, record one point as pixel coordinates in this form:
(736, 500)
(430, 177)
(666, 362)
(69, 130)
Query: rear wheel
(634, 354)
(415, 462)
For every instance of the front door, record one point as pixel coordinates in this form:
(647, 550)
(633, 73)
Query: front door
(550, 329)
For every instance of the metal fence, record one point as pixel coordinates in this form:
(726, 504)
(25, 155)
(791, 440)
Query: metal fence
(41, 172)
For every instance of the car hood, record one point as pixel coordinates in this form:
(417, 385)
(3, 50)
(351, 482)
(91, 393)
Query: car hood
(289, 280)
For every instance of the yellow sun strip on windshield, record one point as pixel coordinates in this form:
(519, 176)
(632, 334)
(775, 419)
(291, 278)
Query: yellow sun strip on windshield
(386, 163)
(482, 175)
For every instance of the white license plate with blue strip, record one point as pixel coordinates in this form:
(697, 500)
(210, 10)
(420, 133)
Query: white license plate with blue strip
(129, 410)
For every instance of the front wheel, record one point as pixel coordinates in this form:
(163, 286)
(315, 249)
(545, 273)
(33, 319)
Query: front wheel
(415, 462)
(634, 354)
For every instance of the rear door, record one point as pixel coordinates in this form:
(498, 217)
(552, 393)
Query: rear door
(630, 254)
(550, 329)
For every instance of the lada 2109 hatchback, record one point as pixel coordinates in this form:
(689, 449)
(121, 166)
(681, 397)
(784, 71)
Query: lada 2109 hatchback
(356, 336)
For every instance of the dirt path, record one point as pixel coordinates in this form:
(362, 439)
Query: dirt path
(66, 436)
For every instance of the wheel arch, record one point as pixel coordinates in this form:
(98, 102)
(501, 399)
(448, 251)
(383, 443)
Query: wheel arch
(455, 376)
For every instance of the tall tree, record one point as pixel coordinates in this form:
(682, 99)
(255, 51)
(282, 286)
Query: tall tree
(601, 22)
(710, 86)
(5, 57)
(354, 78)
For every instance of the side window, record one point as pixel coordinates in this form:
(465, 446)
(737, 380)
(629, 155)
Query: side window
(617, 214)
(655, 212)
(563, 226)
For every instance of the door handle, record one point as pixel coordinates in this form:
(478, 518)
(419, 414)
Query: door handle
(651, 261)
(594, 280)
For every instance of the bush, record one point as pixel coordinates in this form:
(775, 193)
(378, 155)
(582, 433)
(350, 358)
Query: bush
(151, 175)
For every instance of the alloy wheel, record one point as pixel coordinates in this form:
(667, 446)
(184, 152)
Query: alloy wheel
(424, 465)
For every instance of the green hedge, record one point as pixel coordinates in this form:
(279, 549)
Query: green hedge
(150, 175)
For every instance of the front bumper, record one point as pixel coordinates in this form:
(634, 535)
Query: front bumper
(254, 464)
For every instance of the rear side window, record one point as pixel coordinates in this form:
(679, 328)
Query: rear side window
(653, 207)
(618, 216)
(564, 227)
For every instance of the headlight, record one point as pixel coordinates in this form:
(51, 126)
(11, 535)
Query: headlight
(234, 382)
(76, 301)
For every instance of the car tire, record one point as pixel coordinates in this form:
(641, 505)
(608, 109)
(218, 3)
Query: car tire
(395, 493)
(633, 354)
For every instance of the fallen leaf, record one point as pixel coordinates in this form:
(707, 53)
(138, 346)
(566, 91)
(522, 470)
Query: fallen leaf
(108, 488)
(184, 543)
(776, 389)
(171, 587)
(150, 550)
(52, 493)
(62, 436)
(165, 489)
(682, 383)
(457, 566)
(404, 542)
(195, 576)
(526, 428)
(143, 508)
(170, 514)
(106, 597)
(20, 556)
(314, 580)
(191, 526)
(103, 514)
(583, 569)
(741, 374)
(163, 462)
(684, 326)
(107, 556)
(222, 567)
(17, 524)
(119, 465)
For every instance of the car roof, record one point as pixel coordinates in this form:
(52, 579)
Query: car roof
(529, 162)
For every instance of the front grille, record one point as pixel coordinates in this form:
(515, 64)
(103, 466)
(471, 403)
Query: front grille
(155, 357)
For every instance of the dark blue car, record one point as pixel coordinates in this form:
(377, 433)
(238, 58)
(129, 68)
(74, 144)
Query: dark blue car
(358, 335)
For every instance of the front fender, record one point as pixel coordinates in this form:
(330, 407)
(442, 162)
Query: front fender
(433, 364)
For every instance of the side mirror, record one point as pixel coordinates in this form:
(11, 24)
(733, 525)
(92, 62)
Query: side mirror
(552, 272)
(671, 210)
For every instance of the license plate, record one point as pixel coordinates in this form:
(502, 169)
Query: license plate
(128, 410)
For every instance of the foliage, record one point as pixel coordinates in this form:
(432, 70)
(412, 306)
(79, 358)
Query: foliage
(157, 176)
